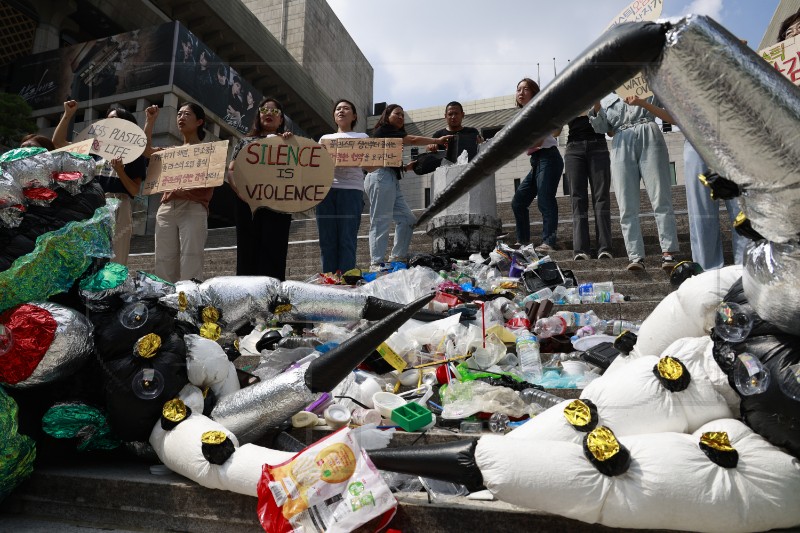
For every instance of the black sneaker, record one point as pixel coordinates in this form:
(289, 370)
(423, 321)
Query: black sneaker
(637, 265)
(545, 248)
(668, 262)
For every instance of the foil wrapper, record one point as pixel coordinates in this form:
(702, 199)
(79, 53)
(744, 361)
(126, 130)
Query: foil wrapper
(151, 286)
(20, 153)
(771, 278)
(33, 171)
(240, 299)
(248, 413)
(11, 217)
(31, 330)
(87, 423)
(303, 302)
(103, 290)
(41, 196)
(740, 114)
(70, 349)
(69, 162)
(186, 300)
(18, 451)
(10, 191)
(60, 257)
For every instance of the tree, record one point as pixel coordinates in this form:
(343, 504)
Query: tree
(15, 119)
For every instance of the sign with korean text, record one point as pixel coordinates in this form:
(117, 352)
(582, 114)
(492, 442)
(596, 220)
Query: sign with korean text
(637, 11)
(82, 147)
(785, 57)
(286, 175)
(190, 166)
(115, 137)
(367, 152)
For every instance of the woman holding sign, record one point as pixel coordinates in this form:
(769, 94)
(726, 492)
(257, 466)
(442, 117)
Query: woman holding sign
(262, 238)
(339, 214)
(386, 201)
(182, 218)
(117, 180)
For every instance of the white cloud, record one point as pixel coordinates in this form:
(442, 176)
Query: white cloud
(712, 8)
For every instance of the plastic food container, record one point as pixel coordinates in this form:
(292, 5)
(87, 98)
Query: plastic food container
(386, 402)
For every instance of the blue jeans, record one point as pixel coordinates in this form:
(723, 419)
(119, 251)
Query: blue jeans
(542, 180)
(338, 220)
(386, 203)
(704, 229)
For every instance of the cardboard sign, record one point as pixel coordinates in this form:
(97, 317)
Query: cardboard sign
(115, 137)
(83, 147)
(286, 175)
(637, 11)
(187, 167)
(785, 57)
(365, 152)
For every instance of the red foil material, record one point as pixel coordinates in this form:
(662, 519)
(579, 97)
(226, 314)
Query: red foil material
(32, 329)
(41, 194)
(67, 176)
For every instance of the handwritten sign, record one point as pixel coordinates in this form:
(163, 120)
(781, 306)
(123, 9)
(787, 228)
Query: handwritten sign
(83, 147)
(115, 137)
(187, 167)
(365, 152)
(785, 57)
(637, 11)
(286, 175)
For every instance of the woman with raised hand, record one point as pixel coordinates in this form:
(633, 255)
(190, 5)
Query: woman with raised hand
(262, 238)
(386, 201)
(339, 214)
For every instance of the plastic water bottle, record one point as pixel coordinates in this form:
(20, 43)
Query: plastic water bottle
(559, 295)
(577, 320)
(498, 423)
(530, 363)
(540, 397)
(550, 326)
(543, 294)
(621, 325)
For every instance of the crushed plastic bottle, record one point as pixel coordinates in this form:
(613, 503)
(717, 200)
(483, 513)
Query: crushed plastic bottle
(549, 326)
(577, 320)
(542, 294)
(498, 423)
(530, 362)
(540, 397)
(625, 325)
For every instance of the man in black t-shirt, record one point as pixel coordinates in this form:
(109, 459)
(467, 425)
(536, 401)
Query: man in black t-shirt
(464, 138)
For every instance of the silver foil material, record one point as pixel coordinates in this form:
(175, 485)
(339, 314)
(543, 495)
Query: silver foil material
(240, 299)
(10, 217)
(34, 171)
(319, 303)
(67, 162)
(250, 412)
(194, 300)
(10, 191)
(741, 114)
(72, 346)
(771, 280)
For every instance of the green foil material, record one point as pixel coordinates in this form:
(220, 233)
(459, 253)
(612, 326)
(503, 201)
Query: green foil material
(17, 452)
(109, 277)
(89, 424)
(21, 153)
(60, 257)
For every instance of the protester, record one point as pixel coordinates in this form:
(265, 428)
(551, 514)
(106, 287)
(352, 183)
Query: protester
(790, 27)
(386, 201)
(262, 238)
(182, 218)
(118, 180)
(587, 162)
(464, 137)
(339, 214)
(35, 140)
(639, 152)
(542, 181)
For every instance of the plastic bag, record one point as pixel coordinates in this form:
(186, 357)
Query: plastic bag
(461, 400)
(330, 486)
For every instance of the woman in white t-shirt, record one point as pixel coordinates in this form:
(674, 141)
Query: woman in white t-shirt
(339, 214)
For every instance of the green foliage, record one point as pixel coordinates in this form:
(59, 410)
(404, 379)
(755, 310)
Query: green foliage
(15, 119)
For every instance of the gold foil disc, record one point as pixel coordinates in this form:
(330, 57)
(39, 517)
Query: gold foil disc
(577, 413)
(283, 308)
(717, 440)
(213, 437)
(210, 331)
(174, 410)
(602, 443)
(670, 368)
(210, 314)
(148, 345)
(182, 302)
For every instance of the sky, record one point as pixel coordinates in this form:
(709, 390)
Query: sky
(428, 52)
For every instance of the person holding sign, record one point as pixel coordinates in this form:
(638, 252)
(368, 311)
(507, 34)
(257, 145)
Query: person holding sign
(639, 152)
(118, 180)
(386, 201)
(542, 181)
(262, 238)
(182, 217)
(339, 214)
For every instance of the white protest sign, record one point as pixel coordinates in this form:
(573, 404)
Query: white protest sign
(83, 147)
(637, 11)
(286, 175)
(367, 152)
(115, 137)
(190, 166)
(785, 57)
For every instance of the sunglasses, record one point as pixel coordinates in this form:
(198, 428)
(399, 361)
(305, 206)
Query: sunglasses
(269, 111)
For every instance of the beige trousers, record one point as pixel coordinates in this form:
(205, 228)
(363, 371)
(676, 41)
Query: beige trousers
(181, 231)
(122, 228)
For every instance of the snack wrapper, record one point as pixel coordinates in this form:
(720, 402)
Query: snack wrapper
(330, 486)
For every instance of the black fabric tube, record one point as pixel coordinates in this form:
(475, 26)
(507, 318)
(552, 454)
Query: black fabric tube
(328, 370)
(377, 308)
(450, 461)
(611, 60)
